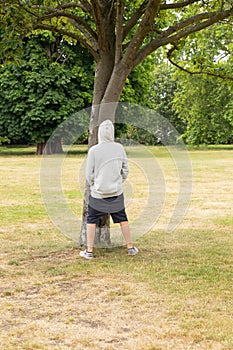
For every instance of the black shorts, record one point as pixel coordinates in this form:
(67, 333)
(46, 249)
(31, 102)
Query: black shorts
(114, 206)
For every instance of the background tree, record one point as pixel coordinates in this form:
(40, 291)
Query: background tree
(51, 82)
(159, 76)
(165, 87)
(204, 88)
(209, 117)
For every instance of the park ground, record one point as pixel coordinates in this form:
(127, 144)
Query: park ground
(176, 294)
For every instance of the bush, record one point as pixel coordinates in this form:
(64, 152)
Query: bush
(4, 140)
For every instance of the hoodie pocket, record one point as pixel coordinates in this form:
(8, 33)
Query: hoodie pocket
(106, 188)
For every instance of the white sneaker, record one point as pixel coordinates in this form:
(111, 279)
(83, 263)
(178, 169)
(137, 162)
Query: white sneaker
(86, 255)
(133, 251)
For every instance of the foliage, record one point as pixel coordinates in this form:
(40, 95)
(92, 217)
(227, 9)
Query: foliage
(203, 97)
(165, 85)
(14, 24)
(51, 82)
(206, 51)
(4, 140)
(205, 104)
(158, 83)
(141, 79)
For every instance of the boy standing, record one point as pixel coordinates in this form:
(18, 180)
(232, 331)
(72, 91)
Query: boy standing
(106, 170)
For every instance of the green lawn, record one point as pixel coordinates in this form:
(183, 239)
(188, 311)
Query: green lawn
(176, 294)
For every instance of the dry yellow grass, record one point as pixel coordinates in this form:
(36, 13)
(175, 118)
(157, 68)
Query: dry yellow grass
(176, 294)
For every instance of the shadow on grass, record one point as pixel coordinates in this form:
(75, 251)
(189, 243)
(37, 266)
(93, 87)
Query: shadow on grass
(210, 147)
(17, 150)
(22, 150)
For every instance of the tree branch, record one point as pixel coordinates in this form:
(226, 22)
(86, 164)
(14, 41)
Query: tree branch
(70, 35)
(89, 37)
(133, 20)
(177, 5)
(84, 5)
(169, 57)
(119, 30)
(76, 21)
(105, 20)
(28, 11)
(75, 18)
(143, 29)
(99, 23)
(217, 16)
(182, 30)
(195, 19)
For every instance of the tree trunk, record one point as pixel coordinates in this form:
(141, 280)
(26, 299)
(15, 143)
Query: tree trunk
(50, 147)
(40, 148)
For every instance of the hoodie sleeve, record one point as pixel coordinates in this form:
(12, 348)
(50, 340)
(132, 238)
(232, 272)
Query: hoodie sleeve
(125, 167)
(90, 167)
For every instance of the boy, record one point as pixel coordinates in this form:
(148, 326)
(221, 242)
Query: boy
(107, 168)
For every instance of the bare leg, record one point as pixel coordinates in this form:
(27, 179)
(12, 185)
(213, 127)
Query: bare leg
(90, 236)
(126, 233)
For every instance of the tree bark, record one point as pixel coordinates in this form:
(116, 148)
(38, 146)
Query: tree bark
(51, 147)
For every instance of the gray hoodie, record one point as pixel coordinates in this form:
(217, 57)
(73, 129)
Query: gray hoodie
(107, 165)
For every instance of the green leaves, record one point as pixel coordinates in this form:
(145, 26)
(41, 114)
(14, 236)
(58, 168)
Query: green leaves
(39, 93)
(204, 104)
(14, 24)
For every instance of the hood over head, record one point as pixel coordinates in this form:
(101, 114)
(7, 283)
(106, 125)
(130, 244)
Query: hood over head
(106, 132)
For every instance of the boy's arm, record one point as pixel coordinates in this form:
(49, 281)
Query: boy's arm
(90, 167)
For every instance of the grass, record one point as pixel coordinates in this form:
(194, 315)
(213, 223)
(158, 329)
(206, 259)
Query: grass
(176, 294)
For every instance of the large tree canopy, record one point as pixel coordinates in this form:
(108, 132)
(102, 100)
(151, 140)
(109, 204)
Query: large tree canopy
(118, 33)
